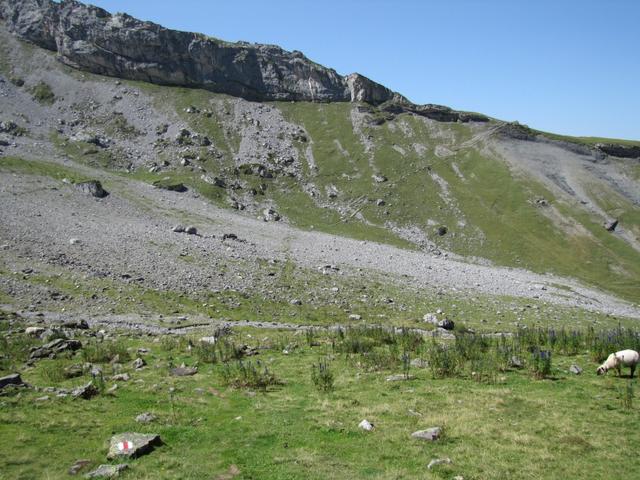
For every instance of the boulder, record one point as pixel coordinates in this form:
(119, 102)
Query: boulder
(611, 226)
(138, 363)
(430, 434)
(132, 445)
(54, 347)
(85, 391)
(446, 324)
(13, 379)
(191, 230)
(93, 188)
(34, 331)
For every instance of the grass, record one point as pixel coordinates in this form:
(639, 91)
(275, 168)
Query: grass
(42, 168)
(515, 425)
(42, 93)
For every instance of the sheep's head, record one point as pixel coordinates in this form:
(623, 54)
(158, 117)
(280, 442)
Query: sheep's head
(601, 370)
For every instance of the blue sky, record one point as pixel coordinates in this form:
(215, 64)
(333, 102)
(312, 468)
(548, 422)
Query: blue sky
(566, 66)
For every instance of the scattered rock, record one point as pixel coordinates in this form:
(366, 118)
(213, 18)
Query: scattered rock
(93, 188)
(399, 377)
(446, 324)
(191, 230)
(54, 347)
(430, 434)
(74, 241)
(438, 461)
(107, 471)
(380, 202)
(79, 465)
(379, 178)
(183, 371)
(78, 324)
(13, 379)
(178, 229)
(430, 318)
(575, 369)
(366, 425)
(295, 301)
(85, 391)
(355, 316)
(516, 362)
(121, 377)
(34, 331)
(73, 371)
(419, 363)
(209, 340)
(270, 215)
(442, 231)
(171, 186)
(146, 417)
(132, 445)
(611, 226)
(138, 363)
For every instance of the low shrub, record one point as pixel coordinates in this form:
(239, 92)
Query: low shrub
(322, 376)
(247, 374)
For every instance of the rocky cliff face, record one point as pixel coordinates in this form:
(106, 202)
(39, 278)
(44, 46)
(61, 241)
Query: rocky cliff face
(91, 39)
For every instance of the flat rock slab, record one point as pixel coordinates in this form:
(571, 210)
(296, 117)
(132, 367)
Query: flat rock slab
(132, 445)
(399, 377)
(13, 379)
(430, 434)
(107, 471)
(183, 371)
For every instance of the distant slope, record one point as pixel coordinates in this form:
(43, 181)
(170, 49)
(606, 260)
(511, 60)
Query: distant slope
(418, 178)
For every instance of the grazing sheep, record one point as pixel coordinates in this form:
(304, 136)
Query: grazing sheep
(623, 358)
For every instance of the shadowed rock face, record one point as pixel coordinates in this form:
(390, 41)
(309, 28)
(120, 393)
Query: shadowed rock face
(91, 39)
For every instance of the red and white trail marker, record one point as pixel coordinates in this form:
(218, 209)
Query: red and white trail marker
(125, 446)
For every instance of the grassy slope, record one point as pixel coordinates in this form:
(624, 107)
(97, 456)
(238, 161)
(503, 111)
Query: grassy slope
(555, 428)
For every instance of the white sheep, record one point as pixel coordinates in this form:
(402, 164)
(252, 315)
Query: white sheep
(623, 358)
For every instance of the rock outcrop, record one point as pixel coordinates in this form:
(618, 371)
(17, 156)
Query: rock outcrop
(91, 39)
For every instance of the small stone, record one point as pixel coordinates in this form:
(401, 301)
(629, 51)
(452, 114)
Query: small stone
(107, 471)
(209, 340)
(183, 371)
(145, 417)
(430, 434)
(380, 202)
(79, 465)
(430, 318)
(516, 362)
(74, 241)
(355, 316)
(178, 229)
(296, 301)
(399, 377)
(79, 324)
(42, 399)
(419, 363)
(366, 425)
(438, 461)
(191, 230)
(575, 369)
(112, 389)
(442, 231)
(121, 377)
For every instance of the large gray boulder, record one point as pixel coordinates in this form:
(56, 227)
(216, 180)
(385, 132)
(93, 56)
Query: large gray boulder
(132, 445)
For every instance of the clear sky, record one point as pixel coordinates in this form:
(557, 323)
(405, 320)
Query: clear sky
(565, 66)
